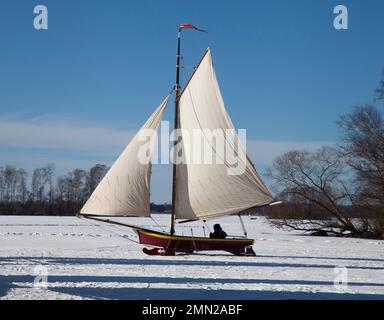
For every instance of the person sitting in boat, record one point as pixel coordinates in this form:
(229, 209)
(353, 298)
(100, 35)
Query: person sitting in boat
(218, 233)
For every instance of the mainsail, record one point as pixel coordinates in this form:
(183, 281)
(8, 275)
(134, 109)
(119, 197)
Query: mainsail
(124, 191)
(207, 190)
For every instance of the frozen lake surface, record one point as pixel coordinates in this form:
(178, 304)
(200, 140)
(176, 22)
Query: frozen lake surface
(84, 260)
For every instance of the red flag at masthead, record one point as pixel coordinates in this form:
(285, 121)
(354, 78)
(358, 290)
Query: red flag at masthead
(190, 26)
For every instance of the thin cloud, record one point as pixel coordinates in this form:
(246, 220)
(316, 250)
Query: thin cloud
(54, 133)
(47, 137)
(264, 151)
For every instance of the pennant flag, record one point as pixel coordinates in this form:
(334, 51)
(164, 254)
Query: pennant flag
(190, 26)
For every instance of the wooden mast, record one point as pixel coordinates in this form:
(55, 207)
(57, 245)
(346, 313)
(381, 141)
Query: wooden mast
(176, 126)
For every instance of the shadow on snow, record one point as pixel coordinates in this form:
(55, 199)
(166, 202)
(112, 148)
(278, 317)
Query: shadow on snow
(81, 288)
(80, 284)
(177, 262)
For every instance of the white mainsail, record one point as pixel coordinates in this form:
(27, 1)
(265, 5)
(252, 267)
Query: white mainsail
(124, 191)
(207, 190)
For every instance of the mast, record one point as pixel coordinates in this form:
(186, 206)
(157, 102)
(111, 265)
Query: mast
(176, 126)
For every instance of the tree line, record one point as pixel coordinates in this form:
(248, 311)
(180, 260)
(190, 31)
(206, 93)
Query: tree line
(43, 194)
(336, 190)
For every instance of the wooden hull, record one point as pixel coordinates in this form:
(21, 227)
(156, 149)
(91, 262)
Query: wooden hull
(171, 244)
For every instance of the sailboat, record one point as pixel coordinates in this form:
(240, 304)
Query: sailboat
(199, 191)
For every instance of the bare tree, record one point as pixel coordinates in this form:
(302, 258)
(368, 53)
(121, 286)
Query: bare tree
(363, 147)
(22, 189)
(94, 177)
(318, 181)
(38, 184)
(363, 137)
(380, 90)
(62, 186)
(49, 172)
(78, 180)
(2, 185)
(9, 180)
(42, 187)
(72, 190)
(13, 189)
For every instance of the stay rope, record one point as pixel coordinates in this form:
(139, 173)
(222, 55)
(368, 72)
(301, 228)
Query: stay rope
(157, 223)
(243, 225)
(109, 230)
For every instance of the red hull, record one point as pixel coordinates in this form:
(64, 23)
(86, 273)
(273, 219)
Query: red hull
(171, 244)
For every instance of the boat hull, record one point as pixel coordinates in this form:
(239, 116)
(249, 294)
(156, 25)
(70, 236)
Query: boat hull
(171, 244)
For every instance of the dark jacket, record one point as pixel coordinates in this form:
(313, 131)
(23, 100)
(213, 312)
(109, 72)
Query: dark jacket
(218, 234)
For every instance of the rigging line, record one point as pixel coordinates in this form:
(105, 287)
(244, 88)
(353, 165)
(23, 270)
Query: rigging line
(243, 226)
(107, 230)
(190, 67)
(157, 223)
(157, 114)
(111, 231)
(119, 228)
(205, 222)
(116, 226)
(193, 239)
(171, 92)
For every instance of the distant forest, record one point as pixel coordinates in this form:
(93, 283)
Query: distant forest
(43, 194)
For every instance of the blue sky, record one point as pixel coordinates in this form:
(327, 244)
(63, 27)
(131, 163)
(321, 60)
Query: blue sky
(75, 93)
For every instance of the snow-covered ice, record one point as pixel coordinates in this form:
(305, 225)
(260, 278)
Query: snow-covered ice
(84, 260)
